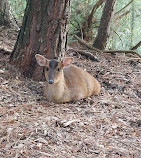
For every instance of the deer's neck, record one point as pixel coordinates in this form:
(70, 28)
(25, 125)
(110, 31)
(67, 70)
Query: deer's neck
(55, 92)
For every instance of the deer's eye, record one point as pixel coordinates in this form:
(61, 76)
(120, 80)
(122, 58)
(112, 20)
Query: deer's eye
(58, 69)
(47, 68)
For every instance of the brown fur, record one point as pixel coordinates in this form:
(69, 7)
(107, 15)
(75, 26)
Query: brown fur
(70, 83)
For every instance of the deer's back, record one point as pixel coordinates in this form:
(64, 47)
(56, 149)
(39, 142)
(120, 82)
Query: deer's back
(80, 83)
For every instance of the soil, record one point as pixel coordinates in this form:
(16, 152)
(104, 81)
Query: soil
(103, 126)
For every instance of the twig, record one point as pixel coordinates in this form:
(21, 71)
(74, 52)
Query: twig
(136, 46)
(43, 153)
(118, 36)
(123, 7)
(124, 14)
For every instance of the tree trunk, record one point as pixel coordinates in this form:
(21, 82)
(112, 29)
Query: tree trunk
(44, 31)
(4, 13)
(103, 31)
(87, 25)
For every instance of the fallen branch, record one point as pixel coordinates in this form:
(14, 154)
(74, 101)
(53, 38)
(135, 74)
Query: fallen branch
(122, 51)
(105, 51)
(85, 53)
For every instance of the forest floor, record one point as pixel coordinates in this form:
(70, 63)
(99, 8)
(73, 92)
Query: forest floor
(104, 126)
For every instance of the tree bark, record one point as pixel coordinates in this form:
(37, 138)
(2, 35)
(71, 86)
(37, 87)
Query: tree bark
(103, 31)
(44, 31)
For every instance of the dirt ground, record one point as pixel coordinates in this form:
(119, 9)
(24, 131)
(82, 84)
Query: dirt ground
(104, 126)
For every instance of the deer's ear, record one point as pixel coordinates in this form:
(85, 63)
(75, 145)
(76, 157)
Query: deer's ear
(67, 61)
(42, 61)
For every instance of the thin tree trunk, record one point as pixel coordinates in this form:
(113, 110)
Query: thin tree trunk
(4, 13)
(103, 31)
(44, 31)
(89, 21)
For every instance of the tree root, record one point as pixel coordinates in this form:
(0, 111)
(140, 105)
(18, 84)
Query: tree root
(85, 53)
(87, 45)
(105, 51)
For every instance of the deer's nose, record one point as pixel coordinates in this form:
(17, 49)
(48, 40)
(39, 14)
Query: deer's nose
(50, 81)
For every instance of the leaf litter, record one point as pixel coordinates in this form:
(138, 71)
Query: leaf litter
(108, 125)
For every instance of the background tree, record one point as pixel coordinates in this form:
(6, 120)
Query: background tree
(86, 30)
(7, 17)
(121, 32)
(4, 13)
(44, 30)
(103, 30)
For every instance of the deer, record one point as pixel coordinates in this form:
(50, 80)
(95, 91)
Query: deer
(66, 82)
